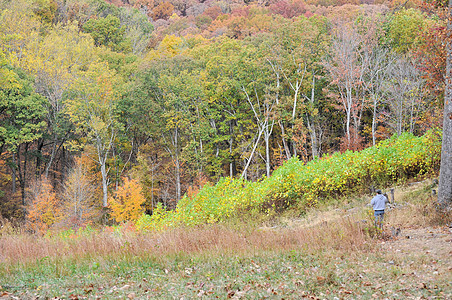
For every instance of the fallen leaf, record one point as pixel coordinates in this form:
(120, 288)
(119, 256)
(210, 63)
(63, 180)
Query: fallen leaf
(239, 295)
(422, 285)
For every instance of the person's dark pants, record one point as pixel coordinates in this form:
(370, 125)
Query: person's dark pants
(379, 215)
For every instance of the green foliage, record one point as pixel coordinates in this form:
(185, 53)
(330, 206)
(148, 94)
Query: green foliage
(323, 179)
(108, 32)
(45, 10)
(405, 30)
(21, 110)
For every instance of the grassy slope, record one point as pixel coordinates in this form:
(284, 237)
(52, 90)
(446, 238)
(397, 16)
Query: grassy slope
(300, 185)
(331, 256)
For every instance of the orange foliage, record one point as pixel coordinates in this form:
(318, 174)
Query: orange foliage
(213, 12)
(288, 9)
(127, 205)
(163, 11)
(87, 160)
(198, 184)
(354, 142)
(45, 208)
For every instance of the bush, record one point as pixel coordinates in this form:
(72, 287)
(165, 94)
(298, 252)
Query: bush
(394, 160)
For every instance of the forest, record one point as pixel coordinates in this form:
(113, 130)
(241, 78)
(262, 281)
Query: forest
(115, 111)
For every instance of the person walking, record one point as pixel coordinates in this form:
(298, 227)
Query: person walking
(379, 204)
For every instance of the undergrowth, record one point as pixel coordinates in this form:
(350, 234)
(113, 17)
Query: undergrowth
(304, 185)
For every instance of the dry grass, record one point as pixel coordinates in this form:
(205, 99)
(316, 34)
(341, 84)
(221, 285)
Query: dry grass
(214, 239)
(415, 207)
(335, 229)
(329, 253)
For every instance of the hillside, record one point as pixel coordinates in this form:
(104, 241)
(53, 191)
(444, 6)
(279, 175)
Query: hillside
(329, 253)
(158, 98)
(298, 186)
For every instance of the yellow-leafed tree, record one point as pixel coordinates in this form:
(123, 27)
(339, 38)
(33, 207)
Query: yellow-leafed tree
(45, 208)
(127, 205)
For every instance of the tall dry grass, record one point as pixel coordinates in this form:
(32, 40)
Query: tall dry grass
(416, 206)
(216, 239)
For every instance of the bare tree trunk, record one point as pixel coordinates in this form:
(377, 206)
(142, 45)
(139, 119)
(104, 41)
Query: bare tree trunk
(349, 115)
(231, 174)
(313, 135)
(284, 142)
(52, 157)
(445, 176)
(13, 175)
(267, 134)
(277, 70)
(311, 124)
(252, 154)
(178, 184)
(177, 164)
(103, 171)
(374, 121)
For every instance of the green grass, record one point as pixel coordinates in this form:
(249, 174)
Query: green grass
(290, 274)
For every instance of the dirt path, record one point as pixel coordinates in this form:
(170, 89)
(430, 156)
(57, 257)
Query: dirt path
(434, 243)
(424, 256)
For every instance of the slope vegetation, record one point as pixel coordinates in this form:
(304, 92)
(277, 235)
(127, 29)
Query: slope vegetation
(302, 185)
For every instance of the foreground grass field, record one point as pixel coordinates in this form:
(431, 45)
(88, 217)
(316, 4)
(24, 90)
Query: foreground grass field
(330, 253)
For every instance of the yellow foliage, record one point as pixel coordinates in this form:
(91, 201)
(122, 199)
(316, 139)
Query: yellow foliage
(127, 205)
(45, 207)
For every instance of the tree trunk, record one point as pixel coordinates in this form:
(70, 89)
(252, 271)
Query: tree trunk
(52, 157)
(177, 164)
(252, 154)
(267, 152)
(284, 142)
(313, 135)
(13, 174)
(231, 174)
(374, 121)
(103, 171)
(445, 174)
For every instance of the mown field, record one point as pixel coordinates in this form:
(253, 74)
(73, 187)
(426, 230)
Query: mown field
(330, 253)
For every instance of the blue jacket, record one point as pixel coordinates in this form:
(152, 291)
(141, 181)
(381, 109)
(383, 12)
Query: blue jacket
(379, 202)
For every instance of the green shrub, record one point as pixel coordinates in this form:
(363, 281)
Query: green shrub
(323, 179)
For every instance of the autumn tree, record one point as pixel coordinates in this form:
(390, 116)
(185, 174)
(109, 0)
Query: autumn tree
(288, 9)
(44, 208)
(404, 90)
(347, 71)
(229, 113)
(18, 27)
(55, 61)
(137, 29)
(91, 107)
(78, 204)
(163, 11)
(127, 204)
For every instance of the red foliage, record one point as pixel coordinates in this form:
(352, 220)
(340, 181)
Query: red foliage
(288, 9)
(242, 11)
(431, 54)
(354, 143)
(213, 12)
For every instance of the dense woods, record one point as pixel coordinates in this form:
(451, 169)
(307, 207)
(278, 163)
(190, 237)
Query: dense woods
(112, 109)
